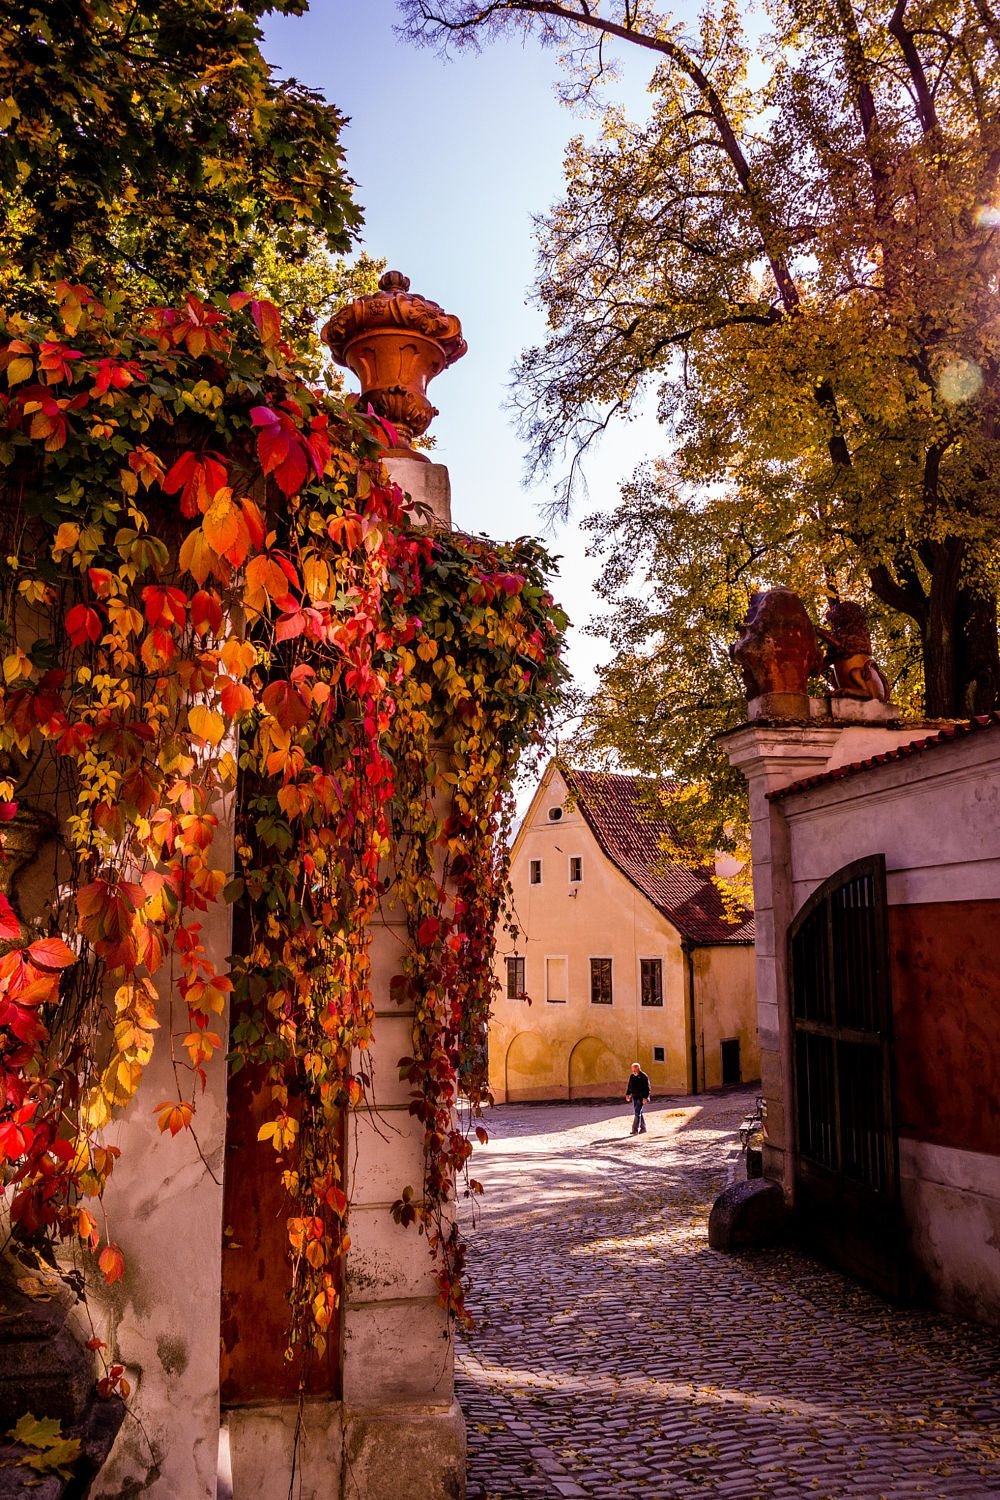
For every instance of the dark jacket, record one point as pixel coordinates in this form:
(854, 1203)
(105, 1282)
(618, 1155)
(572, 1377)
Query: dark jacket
(638, 1085)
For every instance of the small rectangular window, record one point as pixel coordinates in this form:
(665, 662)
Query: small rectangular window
(575, 868)
(535, 872)
(659, 1054)
(600, 981)
(651, 980)
(515, 978)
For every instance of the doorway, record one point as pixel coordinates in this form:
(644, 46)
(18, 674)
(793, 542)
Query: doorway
(846, 1150)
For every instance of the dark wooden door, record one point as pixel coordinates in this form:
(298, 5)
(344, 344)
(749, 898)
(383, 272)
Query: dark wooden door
(846, 1151)
(255, 1265)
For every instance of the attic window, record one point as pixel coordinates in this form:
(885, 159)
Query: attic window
(555, 814)
(535, 872)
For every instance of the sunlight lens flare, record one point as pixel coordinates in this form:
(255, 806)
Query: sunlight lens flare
(960, 380)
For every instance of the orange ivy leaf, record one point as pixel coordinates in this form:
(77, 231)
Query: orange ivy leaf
(286, 703)
(106, 916)
(202, 1045)
(265, 580)
(236, 698)
(86, 1228)
(197, 557)
(51, 953)
(174, 1116)
(112, 1264)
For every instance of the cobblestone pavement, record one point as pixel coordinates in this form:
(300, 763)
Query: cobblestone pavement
(616, 1354)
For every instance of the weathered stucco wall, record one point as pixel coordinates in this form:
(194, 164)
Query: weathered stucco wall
(164, 1207)
(574, 1048)
(726, 1010)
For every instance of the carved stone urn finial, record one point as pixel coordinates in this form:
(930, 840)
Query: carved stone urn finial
(395, 342)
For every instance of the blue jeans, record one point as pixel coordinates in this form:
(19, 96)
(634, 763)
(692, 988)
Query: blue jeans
(638, 1124)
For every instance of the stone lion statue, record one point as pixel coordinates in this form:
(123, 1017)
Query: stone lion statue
(848, 661)
(778, 651)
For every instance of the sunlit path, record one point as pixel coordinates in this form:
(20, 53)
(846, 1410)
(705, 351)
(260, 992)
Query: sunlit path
(615, 1353)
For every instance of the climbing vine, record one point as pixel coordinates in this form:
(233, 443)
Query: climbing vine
(217, 610)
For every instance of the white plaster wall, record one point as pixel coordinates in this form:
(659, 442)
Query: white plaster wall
(951, 1200)
(936, 817)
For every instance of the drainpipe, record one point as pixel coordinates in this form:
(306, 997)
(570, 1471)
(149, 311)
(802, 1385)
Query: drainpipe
(688, 950)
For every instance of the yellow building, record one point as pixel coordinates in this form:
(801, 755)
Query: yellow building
(620, 956)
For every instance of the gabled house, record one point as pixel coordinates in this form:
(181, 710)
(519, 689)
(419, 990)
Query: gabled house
(620, 956)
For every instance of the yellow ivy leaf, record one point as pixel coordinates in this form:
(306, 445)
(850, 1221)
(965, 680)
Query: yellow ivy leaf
(206, 724)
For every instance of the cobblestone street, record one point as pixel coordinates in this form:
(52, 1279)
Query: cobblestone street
(616, 1354)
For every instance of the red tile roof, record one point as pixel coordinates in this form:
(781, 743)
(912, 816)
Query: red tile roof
(945, 736)
(617, 810)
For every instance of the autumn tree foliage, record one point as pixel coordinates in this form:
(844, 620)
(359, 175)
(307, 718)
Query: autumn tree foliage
(799, 248)
(149, 143)
(207, 579)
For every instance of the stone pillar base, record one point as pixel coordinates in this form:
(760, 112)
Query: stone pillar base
(404, 1451)
(427, 484)
(779, 706)
(861, 710)
(262, 1441)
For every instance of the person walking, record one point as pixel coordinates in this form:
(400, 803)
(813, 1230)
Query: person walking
(638, 1091)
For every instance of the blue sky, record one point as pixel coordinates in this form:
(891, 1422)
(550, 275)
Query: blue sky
(452, 159)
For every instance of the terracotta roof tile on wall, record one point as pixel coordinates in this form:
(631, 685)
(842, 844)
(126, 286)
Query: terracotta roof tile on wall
(946, 736)
(618, 814)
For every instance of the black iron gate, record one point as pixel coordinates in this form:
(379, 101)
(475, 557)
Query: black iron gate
(846, 1154)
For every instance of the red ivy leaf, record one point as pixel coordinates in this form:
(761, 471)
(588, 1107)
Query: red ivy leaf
(83, 624)
(10, 928)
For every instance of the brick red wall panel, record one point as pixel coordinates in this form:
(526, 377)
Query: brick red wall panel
(946, 1015)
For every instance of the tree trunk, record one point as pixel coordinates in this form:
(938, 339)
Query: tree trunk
(977, 653)
(939, 634)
